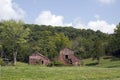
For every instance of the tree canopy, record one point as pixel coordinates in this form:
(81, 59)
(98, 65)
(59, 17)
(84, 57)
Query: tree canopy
(20, 40)
(13, 35)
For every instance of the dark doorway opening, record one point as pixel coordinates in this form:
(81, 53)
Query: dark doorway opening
(66, 56)
(42, 62)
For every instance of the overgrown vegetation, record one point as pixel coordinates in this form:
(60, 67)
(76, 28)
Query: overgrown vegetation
(23, 39)
(105, 62)
(2, 63)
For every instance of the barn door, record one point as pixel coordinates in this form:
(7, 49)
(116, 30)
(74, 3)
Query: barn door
(42, 62)
(66, 56)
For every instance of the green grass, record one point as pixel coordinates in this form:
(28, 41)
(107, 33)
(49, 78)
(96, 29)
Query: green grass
(59, 73)
(104, 63)
(23, 71)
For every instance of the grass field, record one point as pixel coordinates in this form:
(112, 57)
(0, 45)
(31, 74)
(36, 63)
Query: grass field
(30, 72)
(104, 63)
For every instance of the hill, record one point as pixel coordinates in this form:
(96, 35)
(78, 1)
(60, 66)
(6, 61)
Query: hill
(104, 63)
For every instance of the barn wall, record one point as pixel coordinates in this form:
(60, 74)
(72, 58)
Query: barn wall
(36, 58)
(66, 56)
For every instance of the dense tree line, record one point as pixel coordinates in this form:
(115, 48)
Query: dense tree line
(19, 40)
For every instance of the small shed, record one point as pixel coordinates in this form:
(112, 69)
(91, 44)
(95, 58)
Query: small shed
(66, 56)
(37, 58)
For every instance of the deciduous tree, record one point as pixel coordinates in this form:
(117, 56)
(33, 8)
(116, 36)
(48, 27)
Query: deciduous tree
(13, 35)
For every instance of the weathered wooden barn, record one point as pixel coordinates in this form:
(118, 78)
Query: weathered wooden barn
(66, 57)
(37, 58)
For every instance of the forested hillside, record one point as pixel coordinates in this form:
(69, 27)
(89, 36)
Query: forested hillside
(21, 40)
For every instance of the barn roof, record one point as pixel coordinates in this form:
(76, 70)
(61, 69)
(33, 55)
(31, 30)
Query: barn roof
(36, 52)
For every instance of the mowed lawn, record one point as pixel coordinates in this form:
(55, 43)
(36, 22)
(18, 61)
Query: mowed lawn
(29, 72)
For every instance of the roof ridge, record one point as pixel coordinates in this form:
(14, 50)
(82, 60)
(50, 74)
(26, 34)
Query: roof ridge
(36, 52)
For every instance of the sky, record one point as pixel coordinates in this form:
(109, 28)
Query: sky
(101, 15)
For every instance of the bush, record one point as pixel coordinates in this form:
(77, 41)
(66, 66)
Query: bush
(107, 57)
(115, 59)
(50, 64)
(55, 63)
(2, 63)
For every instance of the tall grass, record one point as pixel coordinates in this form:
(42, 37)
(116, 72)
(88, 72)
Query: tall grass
(106, 70)
(105, 63)
(59, 73)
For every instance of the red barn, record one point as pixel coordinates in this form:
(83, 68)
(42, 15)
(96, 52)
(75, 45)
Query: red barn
(37, 58)
(66, 57)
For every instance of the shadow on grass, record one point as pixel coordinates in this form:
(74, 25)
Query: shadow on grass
(115, 66)
(92, 64)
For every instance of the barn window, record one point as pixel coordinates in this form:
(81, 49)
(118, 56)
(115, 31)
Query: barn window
(66, 56)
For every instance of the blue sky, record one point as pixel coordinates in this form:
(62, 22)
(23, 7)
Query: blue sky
(100, 15)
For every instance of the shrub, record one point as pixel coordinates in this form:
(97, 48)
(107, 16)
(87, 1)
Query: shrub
(107, 57)
(55, 63)
(2, 63)
(115, 59)
(50, 64)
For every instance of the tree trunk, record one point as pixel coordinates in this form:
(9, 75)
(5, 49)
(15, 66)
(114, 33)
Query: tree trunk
(15, 56)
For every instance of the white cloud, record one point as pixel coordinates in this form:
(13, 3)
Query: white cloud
(47, 18)
(106, 1)
(10, 10)
(67, 24)
(102, 26)
(77, 23)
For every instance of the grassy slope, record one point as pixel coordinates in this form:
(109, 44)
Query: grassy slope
(59, 73)
(28, 72)
(104, 63)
